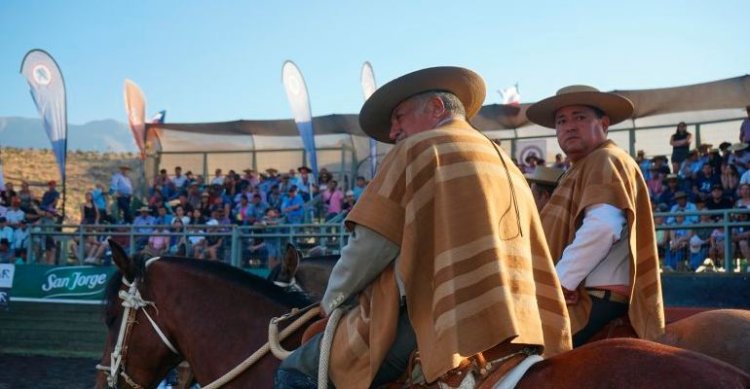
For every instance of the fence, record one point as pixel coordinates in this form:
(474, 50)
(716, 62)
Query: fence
(240, 246)
(252, 246)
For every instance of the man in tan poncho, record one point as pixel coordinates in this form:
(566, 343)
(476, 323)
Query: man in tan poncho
(447, 254)
(598, 223)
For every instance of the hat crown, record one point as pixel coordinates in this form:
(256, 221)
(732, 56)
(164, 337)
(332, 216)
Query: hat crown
(576, 89)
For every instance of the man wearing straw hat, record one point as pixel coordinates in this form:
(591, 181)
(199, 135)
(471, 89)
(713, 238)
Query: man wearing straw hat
(543, 182)
(431, 265)
(598, 223)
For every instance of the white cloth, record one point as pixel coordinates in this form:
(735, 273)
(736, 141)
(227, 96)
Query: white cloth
(362, 259)
(583, 258)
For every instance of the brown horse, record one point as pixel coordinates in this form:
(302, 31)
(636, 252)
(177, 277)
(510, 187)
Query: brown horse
(214, 316)
(721, 333)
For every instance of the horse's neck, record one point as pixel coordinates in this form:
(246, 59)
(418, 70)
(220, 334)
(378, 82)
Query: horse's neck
(215, 324)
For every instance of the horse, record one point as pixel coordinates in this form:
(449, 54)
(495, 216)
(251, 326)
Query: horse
(722, 333)
(213, 316)
(309, 275)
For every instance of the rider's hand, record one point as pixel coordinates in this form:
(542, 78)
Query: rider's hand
(571, 296)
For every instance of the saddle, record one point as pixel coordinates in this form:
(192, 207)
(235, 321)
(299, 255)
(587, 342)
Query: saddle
(481, 371)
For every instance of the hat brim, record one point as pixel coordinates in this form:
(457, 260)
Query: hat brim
(375, 116)
(616, 107)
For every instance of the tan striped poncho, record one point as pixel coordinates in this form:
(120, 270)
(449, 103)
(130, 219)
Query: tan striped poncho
(472, 279)
(609, 175)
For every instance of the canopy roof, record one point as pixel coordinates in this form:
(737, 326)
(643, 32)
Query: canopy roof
(691, 101)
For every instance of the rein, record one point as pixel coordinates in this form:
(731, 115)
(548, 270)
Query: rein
(132, 301)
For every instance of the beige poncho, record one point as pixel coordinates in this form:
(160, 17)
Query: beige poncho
(472, 279)
(609, 175)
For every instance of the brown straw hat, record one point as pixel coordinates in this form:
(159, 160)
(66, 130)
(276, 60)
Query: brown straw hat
(616, 107)
(375, 116)
(545, 175)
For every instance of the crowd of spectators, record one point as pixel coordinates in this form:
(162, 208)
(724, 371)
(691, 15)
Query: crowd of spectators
(182, 214)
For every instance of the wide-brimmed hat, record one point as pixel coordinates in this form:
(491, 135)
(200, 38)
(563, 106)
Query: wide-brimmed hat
(738, 146)
(305, 168)
(124, 167)
(545, 175)
(144, 209)
(616, 107)
(680, 195)
(375, 116)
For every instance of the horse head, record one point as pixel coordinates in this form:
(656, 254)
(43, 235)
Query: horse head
(132, 319)
(283, 274)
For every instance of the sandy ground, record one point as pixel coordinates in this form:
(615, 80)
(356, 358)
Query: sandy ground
(20, 372)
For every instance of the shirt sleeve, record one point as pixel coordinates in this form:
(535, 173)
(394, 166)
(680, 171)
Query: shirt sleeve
(601, 228)
(362, 259)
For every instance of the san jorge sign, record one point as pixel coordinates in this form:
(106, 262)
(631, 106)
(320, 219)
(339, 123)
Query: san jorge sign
(64, 284)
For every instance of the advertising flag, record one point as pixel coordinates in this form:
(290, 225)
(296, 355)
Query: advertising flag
(48, 92)
(299, 100)
(368, 88)
(135, 108)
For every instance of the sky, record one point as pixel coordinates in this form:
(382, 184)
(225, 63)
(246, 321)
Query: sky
(221, 60)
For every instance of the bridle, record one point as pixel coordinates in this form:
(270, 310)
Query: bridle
(132, 302)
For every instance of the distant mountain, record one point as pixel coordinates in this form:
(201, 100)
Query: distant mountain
(99, 135)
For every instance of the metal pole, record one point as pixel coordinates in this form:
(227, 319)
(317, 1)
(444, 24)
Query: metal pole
(728, 265)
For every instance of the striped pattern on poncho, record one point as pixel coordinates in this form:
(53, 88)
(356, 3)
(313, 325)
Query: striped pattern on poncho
(609, 175)
(472, 278)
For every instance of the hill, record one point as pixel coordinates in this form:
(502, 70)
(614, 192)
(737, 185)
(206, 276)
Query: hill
(99, 135)
(84, 170)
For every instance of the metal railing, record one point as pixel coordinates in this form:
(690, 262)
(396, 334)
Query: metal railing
(233, 240)
(329, 238)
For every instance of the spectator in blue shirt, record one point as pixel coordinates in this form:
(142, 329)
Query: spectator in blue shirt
(51, 196)
(293, 206)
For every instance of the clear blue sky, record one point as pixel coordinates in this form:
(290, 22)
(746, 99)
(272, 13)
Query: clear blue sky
(221, 60)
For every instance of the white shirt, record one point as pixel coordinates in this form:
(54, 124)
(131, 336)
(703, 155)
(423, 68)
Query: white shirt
(588, 256)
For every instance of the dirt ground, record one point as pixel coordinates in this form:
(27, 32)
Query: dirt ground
(21, 372)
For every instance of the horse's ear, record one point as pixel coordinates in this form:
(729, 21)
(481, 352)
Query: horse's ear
(121, 259)
(291, 260)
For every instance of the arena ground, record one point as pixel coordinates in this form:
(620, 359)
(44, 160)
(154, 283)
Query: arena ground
(25, 372)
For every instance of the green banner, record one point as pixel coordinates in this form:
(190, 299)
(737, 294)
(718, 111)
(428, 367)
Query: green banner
(64, 284)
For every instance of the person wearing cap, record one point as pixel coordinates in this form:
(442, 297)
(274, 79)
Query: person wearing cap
(601, 230)
(51, 196)
(704, 181)
(717, 200)
(143, 225)
(431, 265)
(682, 204)
(668, 191)
(680, 142)
(122, 188)
(739, 156)
(293, 206)
(543, 182)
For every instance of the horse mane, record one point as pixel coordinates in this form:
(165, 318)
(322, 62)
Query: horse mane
(224, 272)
